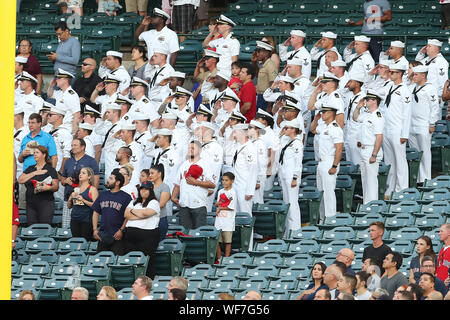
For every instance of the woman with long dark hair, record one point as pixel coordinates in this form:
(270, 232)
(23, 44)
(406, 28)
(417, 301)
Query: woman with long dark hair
(317, 284)
(142, 232)
(162, 194)
(41, 181)
(424, 247)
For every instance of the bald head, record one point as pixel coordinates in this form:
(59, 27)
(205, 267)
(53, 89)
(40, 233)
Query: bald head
(346, 256)
(252, 295)
(88, 66)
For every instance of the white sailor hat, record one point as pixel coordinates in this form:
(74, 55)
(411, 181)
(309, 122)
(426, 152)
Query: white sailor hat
(329, 34)
(237, 115)
(64, 74)
(21, 59)
(263, 45)
(211, 53)
(86, 126)
(258, 125)
(164, 132)
(397, 44)
(420, 69)
(169, 115)
(89, 110)
(123, 99)
(114, 53)
(112, 78)
(139, 82)
(286, 79)
(26, 76)
(299, 33)
(182, 92)
(338, 63)
(209, 125)
(357, 76)
(141, 116)
(240, 126)
(230, 95)
(112, 106)
(177, 74)
(225, 74)
(385, 62)
(373, 94)
(202, 109)
(328, 76)
(161, 50)
(292, 123)
(18, 109)
(362, 38)
(295, 62)
(224, 20)
(435, 42)
(57, 110)
(160, 13)
(399, 65)
(47, 106)
(127, 126)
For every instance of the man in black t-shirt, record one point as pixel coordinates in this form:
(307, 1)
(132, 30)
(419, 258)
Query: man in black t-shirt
(85, 85)
(378, 249)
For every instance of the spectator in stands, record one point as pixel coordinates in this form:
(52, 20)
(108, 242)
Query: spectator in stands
(416, 290)
(392, 279)
(266, 73)
(427, 284)
(26, 295)
(41, 181)
(142, 232)
(32, 66)
(322, 294)
(213, 33)
(111, 205)
(401, 288)
(424, 247)
(69, 175)
(183, 15)
(428, 264)
(274, 56)
(68, 52)
(361, 286)
(317, 275)
(137, 6)
(347, 283)
(373, 282)
(247, 92)
(80, 293)
(69, 6)
(225, 296)
(405, 295)
(177, 294)
(346, 256)
(178, 282)
(85, 85)
(139, 56)
(376, 13)
(142, 287)
(252, 295)
(331, 277)
(445, 14)
(443, 264)
(107, 293)
(378, 249)
(345, 296)
(192, 183)
(159, 35)
(201, 14)
(380, 294)
(162, 194)
(235, 82)
(81, 201)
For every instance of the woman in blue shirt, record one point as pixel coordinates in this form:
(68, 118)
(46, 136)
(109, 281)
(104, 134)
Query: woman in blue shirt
(316, 283)
(424, 247)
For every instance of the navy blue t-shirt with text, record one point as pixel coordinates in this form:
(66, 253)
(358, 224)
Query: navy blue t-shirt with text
(111, 206)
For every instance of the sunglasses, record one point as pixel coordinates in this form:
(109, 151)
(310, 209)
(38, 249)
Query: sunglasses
(85, 64)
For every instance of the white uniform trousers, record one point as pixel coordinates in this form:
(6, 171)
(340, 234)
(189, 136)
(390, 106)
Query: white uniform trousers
(290, 195)
(352, 152)
(327, 183)
(259, 193)
(422, 142)
(395, 155)
(316, 147)
(369, 174)
(110, 163)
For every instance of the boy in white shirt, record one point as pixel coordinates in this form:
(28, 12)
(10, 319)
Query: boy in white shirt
(226, 213)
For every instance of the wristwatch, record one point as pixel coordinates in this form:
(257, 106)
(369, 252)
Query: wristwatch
(334, 166)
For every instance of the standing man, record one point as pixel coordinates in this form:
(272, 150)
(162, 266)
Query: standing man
(184, 15)
(327, 43)
(28, 100)
(157, 70)
(110, 86)
(425, 111)
(395, 51)
(297, 41)
(247, 93)
(370, 138)
(111, 206)
(159, 36)
(378, 250)
(443, 263)
(331, 144)
(361, 61)
(68, 52)
(209, 63)
(266, 74)
(392, 278)
(376, 13)
(113, 65)
(194, 178)
(396, 130)
(85, 85)
(227, 46)
(127, 133)
(142, 103)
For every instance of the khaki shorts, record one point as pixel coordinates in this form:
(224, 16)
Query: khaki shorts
(136, 5)
(226, 237)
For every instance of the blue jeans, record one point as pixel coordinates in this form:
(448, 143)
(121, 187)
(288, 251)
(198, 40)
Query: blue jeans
(260, 102)
(163, 227)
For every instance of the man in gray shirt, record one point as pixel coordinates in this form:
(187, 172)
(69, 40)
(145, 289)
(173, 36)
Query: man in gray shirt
(392, 278)
(376, 12)
(68, 52)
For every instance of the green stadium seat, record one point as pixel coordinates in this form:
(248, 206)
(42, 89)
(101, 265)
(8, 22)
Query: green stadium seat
(48, 256)
(290, 22)
(159, 294)
(339, 8)
(440, 151)
(270, 218)
(201, 244)
(325, 258)
(256, 283)
(57, 288)
(309, 181)
(74, 257)
(300, 259)
(273, 195)
(214, 294)
(339, 233)
(62, 234)
(309, 167)
(244, 223)
(319, 21)
(40, 244)
(268, 272)
(305, 246)
(126, 294)
(275, 7)
(31, 282)
(345, 188)
(65, 269)
(222, 284)
(36, 230)
(306, 7)
(430, 221)
(161, 283)
(306, 232)
(340, 219)
(270, 246)
(347, 168)
(15, 269)
(97, 19)
(410, 194)
(400, 220)
(333, 247)
(374, 206)
(269, 259)
(441, 207)
(405, 247)
(299, 272)
(406, 233)
(441, 126)
(442, 181)
(104, 257)
(441, 194)
(169, 257)
(231, 270)
(256, 20)
(73, 244)
(309, 201)
(242, 8)
(363, 222)
(93, 277)
(358, 248)
(410, 207)
(127, 268)
(173, 219)
(239, 258)
(407, 9)
(200, 270)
